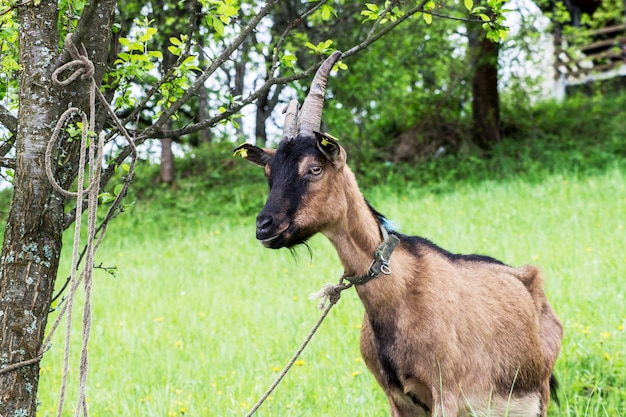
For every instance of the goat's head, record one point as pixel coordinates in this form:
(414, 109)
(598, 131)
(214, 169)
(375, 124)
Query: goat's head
(302, 172)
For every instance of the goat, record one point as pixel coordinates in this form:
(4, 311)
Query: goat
(443, 334)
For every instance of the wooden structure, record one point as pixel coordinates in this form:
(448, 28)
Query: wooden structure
(590, 56)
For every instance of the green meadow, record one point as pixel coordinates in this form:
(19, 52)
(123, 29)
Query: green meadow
(199, 318)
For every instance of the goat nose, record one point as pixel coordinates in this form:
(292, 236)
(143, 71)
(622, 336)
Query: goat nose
(263, 224)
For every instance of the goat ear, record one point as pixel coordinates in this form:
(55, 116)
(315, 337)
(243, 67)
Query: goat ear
(254, 154)
(330, 147)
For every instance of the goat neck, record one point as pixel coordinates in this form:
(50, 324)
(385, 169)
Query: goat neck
(356, 234)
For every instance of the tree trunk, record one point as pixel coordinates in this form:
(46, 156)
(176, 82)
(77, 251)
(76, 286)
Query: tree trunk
(167, 162)
(485, 97)
(33, 234)
(32, 237)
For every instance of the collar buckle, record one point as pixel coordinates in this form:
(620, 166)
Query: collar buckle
(382, 255)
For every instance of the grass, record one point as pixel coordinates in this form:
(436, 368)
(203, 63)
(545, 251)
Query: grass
(200, 318)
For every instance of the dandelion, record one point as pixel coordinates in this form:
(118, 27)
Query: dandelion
(607, 356)
(159, 320)
(358, 360)
(620, 327)
(355, 374)
(183, 410)
(179, 344)
(605, 335)
(585, 330)
(244, 405)
(275, 368)
(535, 257)
(220, 392)
(300, 362)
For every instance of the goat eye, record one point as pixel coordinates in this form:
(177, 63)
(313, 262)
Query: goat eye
(316, 170)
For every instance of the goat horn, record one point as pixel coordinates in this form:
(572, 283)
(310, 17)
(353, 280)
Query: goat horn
(310, 119)
(291, 114)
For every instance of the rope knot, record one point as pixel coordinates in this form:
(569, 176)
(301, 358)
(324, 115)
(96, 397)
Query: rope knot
(328, 292)
(81, 66)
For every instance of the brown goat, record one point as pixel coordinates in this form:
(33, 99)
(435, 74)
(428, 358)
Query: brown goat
(443, 334)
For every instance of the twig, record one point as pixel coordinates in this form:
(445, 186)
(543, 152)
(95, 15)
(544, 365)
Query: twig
(15, 6)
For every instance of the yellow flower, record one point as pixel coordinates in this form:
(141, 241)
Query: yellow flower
(605, 335)
(356, 373)
(620, 327)
(179, 344)
(607, 356)
(275, 368)
(159, 319)
(300, 362)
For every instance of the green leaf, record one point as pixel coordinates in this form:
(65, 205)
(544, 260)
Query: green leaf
(118, 189)
(106, 198)
(188, 60)
(218, 26)
(155, 54)
(469, 4)
(227, 10)
(148, 35)
(428, 18)
(176, 41)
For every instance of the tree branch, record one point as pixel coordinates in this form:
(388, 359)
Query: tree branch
(8, 120)
(207, 123)
(152, 132)
(217, 63)
(373, 36)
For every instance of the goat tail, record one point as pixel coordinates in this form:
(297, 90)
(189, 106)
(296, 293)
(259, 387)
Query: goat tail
(554, 387)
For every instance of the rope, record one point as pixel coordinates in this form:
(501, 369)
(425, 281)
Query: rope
(82, 67)
(328, 292)
(91, 152)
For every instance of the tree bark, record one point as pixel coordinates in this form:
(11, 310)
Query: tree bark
(485, 96)
(33, 233)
